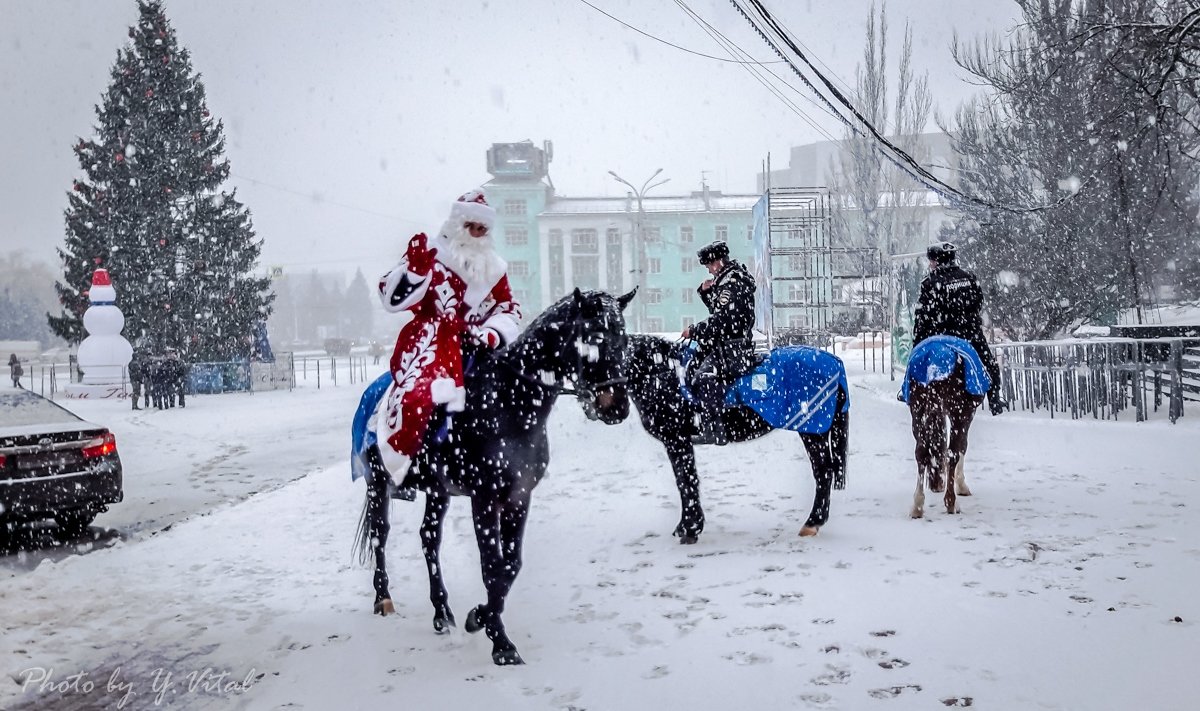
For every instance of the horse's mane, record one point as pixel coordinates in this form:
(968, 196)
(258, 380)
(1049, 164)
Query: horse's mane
(592, 305)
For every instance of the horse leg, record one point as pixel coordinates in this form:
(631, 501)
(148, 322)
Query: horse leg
(436, 505)
(375, 528)
(499, 530)
(927, 429)
(682, 454)
(824, 470)
(961, 415)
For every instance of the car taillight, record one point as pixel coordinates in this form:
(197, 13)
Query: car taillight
(3, 459)
(100, 446)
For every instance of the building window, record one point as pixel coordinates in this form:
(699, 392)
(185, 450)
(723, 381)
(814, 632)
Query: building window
(654, 324)
(514, 207)
(797, 321)
(557, 261)
(585, 270)
(516, 236)
(521, 295)
(518, 269)
(687, 321)
(750, 232)
(614, 260)
(723, 232)
(654, 296)
(686, 265)
(796, 292)
(686, 235)
(796, 262)
(653, 234)
(654, 265)
(584, 242)
(688, 296)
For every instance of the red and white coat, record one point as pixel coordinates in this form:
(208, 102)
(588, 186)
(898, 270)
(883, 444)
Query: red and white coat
(426, 364)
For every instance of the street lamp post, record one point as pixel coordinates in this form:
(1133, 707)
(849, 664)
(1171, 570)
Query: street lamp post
(639, 242)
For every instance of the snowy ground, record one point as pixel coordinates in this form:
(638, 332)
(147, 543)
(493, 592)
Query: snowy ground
(1068, 582)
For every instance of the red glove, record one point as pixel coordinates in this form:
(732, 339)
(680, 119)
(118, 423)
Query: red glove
(485, 336)
(419, 256)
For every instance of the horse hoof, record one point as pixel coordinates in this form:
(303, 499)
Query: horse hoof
(917, 514)
(686, 540)
(385, 607)
(473, 624)
(507, 658)
(810, 530)
(442, 625)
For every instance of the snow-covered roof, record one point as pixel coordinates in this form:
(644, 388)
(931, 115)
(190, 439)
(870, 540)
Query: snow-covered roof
(651, 204)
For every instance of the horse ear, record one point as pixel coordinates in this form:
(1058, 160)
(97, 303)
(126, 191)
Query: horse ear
(624, 300)
(578, 297)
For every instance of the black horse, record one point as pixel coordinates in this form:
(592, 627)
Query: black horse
(496, 450)
(653, 368)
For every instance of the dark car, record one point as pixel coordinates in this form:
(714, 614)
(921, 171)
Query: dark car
(53, 464)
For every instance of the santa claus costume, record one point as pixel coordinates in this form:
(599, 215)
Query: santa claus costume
(455, 286)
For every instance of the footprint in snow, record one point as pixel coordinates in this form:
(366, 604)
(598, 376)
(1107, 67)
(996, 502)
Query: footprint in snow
(657, 672)
(835, 675)
(892, 692)
(961, 701)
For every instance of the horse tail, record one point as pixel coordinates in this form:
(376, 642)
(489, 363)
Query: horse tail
(839, 438)
(362, 550)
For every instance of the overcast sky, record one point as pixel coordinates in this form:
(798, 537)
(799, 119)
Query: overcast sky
(352, 124)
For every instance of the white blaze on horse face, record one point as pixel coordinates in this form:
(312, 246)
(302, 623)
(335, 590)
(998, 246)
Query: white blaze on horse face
(586, 350)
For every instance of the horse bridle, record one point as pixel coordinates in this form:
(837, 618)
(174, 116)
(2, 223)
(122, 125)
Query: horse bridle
(583, 390)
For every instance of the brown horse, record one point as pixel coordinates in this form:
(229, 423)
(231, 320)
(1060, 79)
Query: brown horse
(938, 461)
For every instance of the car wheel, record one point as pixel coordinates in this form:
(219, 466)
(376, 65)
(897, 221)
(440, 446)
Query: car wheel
(75, 523)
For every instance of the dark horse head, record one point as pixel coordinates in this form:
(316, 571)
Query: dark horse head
(580, 339)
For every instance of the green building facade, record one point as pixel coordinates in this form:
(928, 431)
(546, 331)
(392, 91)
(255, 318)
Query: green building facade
(554, 244)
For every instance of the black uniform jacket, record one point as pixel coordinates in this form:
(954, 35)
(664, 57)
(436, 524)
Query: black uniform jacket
(729, 327)
(949, 305)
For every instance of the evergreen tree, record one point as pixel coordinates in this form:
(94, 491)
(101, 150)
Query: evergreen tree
(358, 308)
(150, 209)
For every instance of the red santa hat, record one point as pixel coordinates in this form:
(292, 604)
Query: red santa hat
(472, 207)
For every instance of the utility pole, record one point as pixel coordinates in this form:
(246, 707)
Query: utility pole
(639, 243)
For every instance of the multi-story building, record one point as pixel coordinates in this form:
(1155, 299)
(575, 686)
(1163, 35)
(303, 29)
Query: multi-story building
(554, 244)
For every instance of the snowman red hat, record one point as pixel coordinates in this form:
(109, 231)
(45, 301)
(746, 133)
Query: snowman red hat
(471, 206)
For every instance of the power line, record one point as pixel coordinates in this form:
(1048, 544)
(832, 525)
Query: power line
(311, 197)
(733, 49)
(886, 148)
(671, 44)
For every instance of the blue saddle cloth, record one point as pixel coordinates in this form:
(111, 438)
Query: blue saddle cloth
(361, 434)
(794, 388)
(934, 359)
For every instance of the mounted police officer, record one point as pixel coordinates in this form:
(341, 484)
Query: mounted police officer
(950, 305)
(725, 338)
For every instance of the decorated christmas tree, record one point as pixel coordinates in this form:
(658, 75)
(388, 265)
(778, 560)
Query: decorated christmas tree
(150, 210)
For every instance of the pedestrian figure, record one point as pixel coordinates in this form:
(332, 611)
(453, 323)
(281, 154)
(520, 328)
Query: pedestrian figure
(137, 377)
(15, 370)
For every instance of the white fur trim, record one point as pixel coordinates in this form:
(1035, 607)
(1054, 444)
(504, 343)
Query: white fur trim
(391, 281)
(505, 325)
(473, 212)
(444, 392)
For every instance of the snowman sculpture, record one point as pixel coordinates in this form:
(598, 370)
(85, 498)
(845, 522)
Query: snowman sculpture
(105, 354)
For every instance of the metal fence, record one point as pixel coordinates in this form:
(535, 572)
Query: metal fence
(1102, 378)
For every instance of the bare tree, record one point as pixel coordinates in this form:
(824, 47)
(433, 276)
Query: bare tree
(873, 199)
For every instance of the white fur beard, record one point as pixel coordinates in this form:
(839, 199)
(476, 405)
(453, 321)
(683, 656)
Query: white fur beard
(469, 256)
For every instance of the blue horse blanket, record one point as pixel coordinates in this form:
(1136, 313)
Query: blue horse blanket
(794, 388)
(934, 359)
(362, 436)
